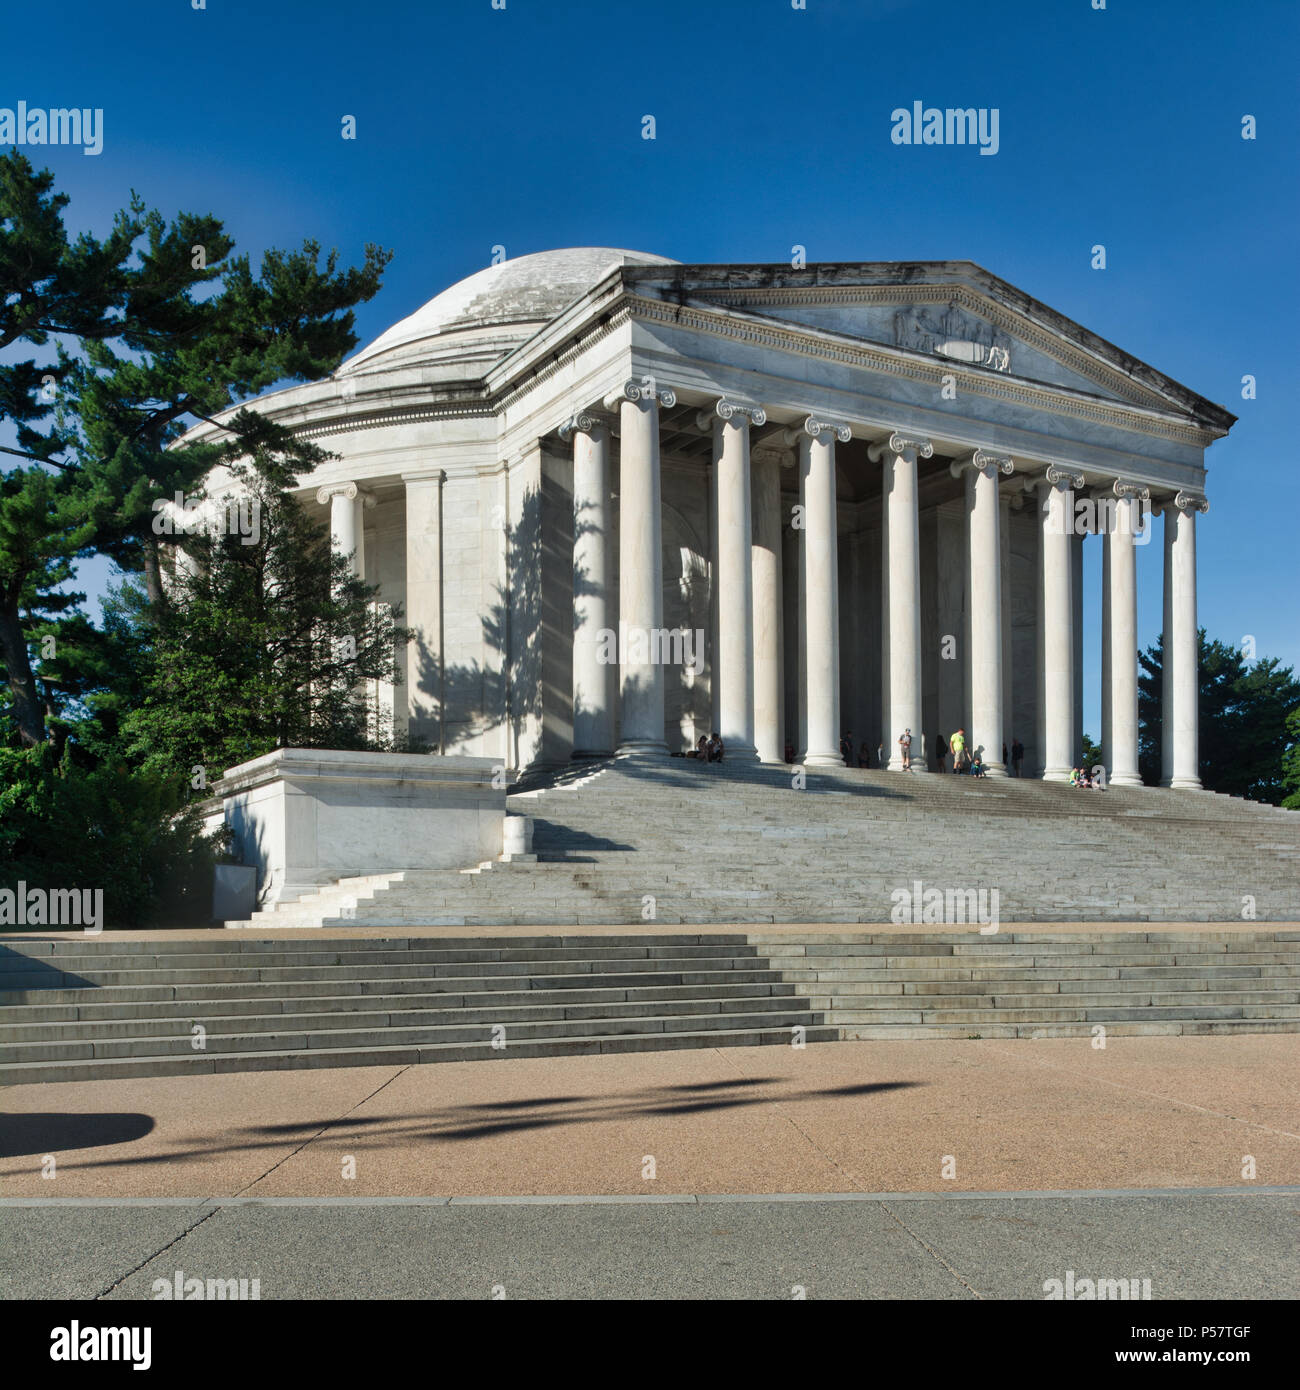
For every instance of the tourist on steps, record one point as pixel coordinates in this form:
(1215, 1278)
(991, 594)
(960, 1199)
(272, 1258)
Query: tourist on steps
(715, 747)
(905, 748)
(846, 748)
(1017, 755)
(960, 758)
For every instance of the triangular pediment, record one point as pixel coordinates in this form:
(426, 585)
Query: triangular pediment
(946, 311)
(947, 329)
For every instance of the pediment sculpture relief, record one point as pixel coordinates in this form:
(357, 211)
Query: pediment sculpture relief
(952, 332)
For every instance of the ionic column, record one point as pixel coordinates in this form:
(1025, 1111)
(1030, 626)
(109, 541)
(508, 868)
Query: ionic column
(593, 678)
(347, 531)
(769, 601)
(1120, 687)
(1056, 510)
(640, 568)
(1108, 520)
(423, 609)
(1182, 643)
(821, 589)
(901, 565)
(984, 580)
(729, 422)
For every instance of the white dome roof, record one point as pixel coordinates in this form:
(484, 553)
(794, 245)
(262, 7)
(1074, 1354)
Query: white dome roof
(497, 308)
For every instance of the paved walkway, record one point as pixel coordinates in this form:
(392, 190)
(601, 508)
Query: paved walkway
(872, 1117)
(1189, 1244)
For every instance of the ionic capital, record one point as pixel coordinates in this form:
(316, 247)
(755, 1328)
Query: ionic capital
(647, 389)
(983, 462)
(351, 491)
(900, 444)
(815, 428)
(1191, 502)
(1062, 478)
(1126, 490)
(726, 410)
(581, 422)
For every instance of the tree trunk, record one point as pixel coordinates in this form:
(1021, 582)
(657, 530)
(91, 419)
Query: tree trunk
(153, 575)
(28, 714)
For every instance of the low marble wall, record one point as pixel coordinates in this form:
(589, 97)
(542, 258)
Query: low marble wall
(306, 817)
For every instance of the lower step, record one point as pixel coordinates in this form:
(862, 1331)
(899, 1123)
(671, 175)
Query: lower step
(899, 1032)
(28, 1073)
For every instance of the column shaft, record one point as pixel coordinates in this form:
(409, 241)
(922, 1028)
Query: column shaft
(640, 579)
(1107, 641)
(821, 600)
(593, 676)
(1185, 647)
(1057, 508)
(987, 692)
(734, 569)
(901, 565)
(769, 732)
(423, 609)
(1122, 687)
(1167, 647)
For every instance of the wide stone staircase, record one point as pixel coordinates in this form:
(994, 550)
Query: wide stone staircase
(1045, 984)
(77, 1008)
(685, 843)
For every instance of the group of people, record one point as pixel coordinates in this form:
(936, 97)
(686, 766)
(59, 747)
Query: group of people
(964, 758)
(1081, 777)
(708, 750)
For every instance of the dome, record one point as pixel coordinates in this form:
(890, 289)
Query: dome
(489, 313)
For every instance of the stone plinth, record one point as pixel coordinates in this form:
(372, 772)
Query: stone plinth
(307, 817)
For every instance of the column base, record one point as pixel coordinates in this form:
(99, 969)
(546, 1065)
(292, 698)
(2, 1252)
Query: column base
(739, 752)
(822, 760)
(1184, 784)
(582, 754)
(649, 749)
(996, 770)
(1124, 779)
(1056, 774)
(896, 765)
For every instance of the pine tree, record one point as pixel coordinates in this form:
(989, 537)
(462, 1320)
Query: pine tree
(261, 646)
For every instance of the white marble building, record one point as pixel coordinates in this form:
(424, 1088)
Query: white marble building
(862, 483)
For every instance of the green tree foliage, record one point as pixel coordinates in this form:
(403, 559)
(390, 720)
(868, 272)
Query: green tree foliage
(1247, 720)
(157, 327)
(51, 288)
(64, 825)
(262, 646)
(1291, 763)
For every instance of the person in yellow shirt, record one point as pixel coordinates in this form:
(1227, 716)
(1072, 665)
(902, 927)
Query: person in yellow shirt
(958, 745)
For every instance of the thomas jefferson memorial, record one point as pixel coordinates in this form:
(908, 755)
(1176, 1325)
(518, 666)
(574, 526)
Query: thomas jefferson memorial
(623, 502)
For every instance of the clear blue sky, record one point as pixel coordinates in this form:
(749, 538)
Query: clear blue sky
(522, 127)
